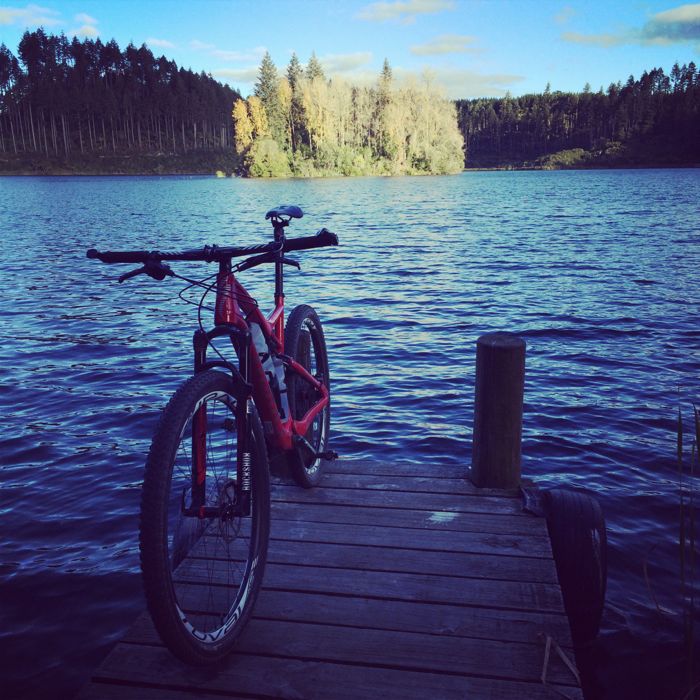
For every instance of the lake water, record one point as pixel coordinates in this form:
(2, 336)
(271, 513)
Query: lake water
(598, 271)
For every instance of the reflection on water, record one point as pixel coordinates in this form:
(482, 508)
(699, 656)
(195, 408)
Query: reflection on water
(598, 271)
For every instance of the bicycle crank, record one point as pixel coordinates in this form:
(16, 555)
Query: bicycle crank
(303, 444)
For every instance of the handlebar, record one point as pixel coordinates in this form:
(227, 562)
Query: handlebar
(217, 253)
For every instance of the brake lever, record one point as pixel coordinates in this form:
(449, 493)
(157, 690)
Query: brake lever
(153, 268)
(289, 261)
(133, 273)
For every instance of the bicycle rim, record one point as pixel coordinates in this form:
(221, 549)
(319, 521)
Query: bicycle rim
(213, 565)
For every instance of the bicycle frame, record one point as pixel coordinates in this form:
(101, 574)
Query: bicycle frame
(234, 311)
(235, 307)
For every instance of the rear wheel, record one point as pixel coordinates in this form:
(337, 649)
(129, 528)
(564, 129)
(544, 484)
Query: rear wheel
(304, 341)
(202, 574)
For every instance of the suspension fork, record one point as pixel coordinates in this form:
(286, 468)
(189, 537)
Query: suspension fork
(199, 431)
(244, 417)
(243, 410)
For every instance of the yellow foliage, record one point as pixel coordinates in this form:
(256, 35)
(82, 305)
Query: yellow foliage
(258, 116)
(242, 127)
(284, 91)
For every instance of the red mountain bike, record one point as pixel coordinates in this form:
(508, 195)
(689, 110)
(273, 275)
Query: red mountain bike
(205, 505)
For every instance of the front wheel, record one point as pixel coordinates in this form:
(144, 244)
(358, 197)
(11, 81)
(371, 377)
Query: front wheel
(202, 559)
(304, 342)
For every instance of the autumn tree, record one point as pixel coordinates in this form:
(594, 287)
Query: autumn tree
(338, 128)
(242, 127)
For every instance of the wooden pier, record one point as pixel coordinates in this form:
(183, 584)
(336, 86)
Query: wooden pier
(387, 581)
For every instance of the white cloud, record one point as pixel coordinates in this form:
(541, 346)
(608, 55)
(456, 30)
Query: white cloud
(345, 62)
(602, 40)
(87, 26)
(229, 56)
(237, 75)
(87, 30)
(677, 25)
(31, 15)
(403, 11)
(159, 43)
(255, 54)
(82, 18)
(459, 83)
(446, 43)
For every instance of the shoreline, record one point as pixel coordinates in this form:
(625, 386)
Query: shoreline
(225, 165)
(588, 166)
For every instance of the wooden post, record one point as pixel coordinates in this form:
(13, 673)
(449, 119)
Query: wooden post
(498, 410)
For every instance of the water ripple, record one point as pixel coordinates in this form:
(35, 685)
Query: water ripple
(598, 271)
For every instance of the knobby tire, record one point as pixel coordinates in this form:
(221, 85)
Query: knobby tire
(305, 342)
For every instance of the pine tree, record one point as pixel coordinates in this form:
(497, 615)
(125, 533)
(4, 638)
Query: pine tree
(297, 117)
(266, 85)
(294, 72)
(314, 69)
(267, 89)
(383, 108)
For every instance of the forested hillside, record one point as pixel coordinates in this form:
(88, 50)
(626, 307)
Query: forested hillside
(87, 106)
(301, 123)
(80, 98)
(653, 120)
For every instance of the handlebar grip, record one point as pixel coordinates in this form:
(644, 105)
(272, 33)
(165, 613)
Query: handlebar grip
(323, 238)
(133, 256)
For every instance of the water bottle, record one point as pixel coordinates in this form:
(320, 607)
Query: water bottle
(273, 368)
(281, 386)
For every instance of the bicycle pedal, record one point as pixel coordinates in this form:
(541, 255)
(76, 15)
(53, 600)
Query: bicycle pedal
(328, 455)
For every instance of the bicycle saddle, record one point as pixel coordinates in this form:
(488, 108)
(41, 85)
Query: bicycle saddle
(290, 210)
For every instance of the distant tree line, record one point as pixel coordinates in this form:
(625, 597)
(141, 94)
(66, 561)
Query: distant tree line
(657, 115)
(62, 97)
(301, 123)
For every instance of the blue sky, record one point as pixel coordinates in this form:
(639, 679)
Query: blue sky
(473, 48)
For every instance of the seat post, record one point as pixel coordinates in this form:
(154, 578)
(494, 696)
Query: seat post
(279, 225)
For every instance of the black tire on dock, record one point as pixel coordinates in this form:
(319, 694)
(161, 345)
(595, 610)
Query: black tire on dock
(579, 544)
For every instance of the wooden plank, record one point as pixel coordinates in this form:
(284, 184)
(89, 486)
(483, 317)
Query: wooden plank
(396, 616)
(408, 483)
(506, 595)
(274, 677)
(405, 650)
(389, 615)
(408, 651)
(379, 467)
(474, 542)
(409, 518)
(411, 561)
(426, 470)
(398, 499)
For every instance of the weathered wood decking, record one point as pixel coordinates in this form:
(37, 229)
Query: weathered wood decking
(388, 581)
